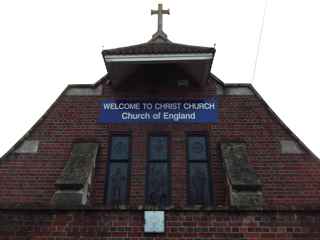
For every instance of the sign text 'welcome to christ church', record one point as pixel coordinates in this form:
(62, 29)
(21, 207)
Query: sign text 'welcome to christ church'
(193, 111)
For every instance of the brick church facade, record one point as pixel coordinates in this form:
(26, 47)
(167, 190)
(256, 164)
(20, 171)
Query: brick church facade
(83, 172)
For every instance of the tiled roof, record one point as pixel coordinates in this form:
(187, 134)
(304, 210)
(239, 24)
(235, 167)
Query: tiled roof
(157, 48)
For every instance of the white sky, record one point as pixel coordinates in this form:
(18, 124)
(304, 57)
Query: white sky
(46, 45)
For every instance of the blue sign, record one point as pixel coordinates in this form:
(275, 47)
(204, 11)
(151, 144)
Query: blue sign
(193, 111)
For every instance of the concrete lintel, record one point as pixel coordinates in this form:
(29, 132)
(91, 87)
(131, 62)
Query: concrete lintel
(84, 91)
(28, 146)
(290, 147)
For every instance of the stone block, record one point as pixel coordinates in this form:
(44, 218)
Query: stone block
(219, 89)
(244, 184)
(67, 198)
(84, 91)
(246, 199)
(79, 168)
(290, 147)
(238, 91)
(28, 146)
(238, 170)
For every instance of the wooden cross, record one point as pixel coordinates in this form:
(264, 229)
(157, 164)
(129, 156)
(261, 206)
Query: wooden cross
(160, 12)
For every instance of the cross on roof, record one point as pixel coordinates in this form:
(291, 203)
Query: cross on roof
(160, 13)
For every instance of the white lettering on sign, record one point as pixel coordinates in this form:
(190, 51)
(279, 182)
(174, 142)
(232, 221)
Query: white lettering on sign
(167, 106)
(158, 106)
(147, 106)
(135, 116)
(121, 106)
(179, 116)
(191, 111)
(199, 106)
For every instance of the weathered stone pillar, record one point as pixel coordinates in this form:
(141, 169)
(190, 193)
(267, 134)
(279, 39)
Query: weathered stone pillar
(243, 183)
(73, 184)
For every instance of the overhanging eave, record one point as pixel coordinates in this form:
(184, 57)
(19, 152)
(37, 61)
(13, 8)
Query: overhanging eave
(197, 65)
(158, 57)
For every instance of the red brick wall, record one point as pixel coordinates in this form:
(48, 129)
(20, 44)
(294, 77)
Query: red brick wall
(288, 179)
(98, 225)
